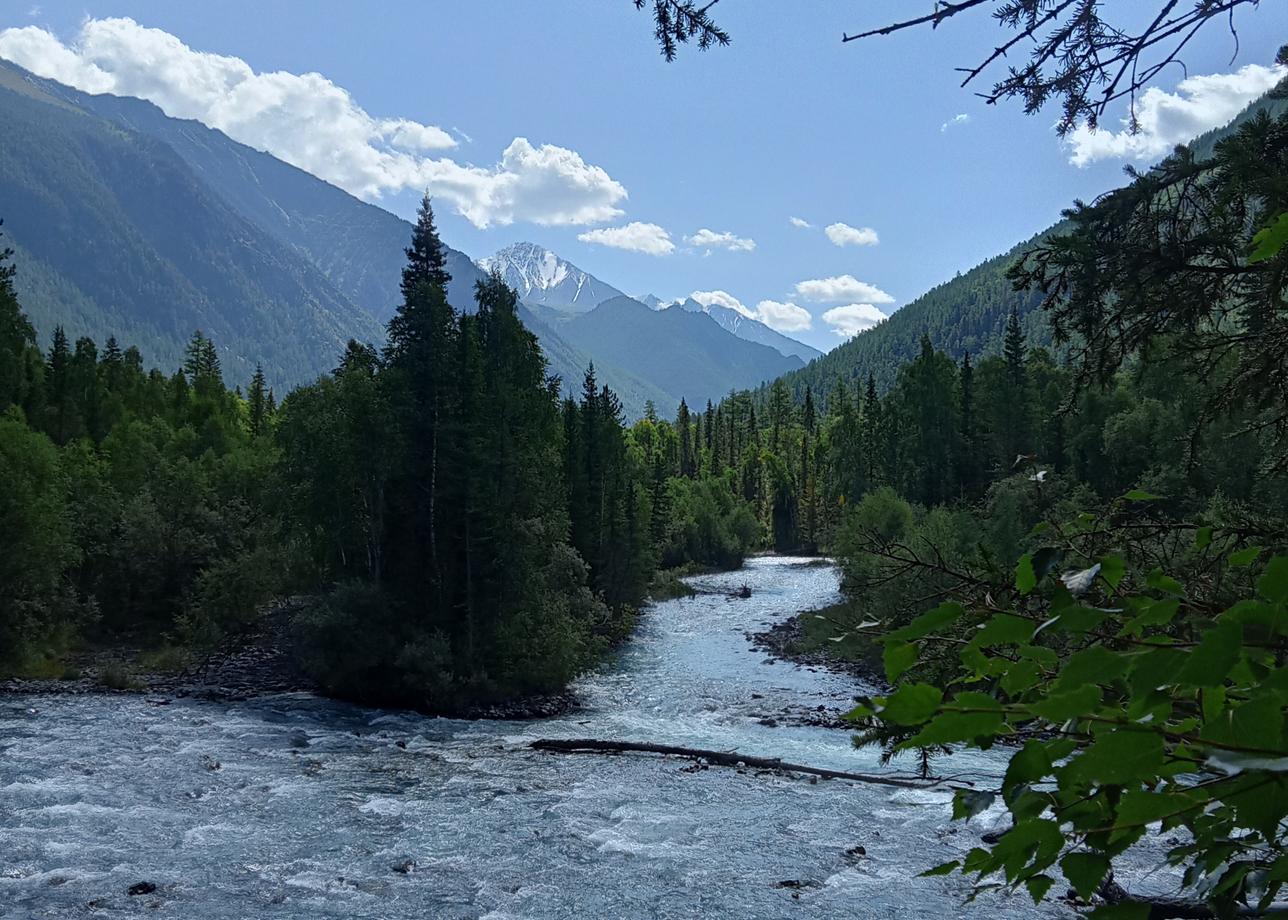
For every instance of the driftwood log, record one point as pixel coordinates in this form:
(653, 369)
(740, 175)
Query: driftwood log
(722, 758)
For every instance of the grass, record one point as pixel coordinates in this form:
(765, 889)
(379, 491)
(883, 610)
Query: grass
(166, 659)
(667, 584)
(116, 676)
(43, 660)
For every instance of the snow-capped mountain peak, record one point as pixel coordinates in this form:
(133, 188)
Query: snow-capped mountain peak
(541, 277)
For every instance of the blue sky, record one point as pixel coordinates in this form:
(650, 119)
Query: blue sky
(786, 122)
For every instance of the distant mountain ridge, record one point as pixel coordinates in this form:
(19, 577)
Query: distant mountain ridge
(753, 330)
(539, 276)
(130, 223)
(698, 359)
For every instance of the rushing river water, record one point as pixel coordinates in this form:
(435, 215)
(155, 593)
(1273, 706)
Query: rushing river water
(314, 806)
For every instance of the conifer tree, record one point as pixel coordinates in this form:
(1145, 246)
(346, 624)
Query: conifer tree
(257, 402)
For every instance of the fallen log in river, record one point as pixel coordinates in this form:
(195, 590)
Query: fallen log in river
(727, 759)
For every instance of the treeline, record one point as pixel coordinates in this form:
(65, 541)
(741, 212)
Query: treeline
(461, 532)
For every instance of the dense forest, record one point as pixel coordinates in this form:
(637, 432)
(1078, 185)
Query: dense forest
(463, 532)
(1077, 550)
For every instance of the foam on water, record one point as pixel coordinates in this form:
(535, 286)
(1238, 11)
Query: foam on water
(313, 811)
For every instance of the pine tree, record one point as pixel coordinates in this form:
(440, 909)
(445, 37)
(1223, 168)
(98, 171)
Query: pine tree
(257, 403)
(873, 433)
(682, 431)
(968, 473)
(426, 259)
(59, 388)
(1014, 351)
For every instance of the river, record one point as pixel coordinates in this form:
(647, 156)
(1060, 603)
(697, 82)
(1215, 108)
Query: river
(298, 807)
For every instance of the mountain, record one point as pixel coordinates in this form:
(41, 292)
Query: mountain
(688, 353)
(968, 313)
(116, 234)
(357, 246)
(652, 301)
(541, 277)
(129, 223)
(753, 330)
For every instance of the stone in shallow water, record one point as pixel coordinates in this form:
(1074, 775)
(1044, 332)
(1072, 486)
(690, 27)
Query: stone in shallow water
(140, 888)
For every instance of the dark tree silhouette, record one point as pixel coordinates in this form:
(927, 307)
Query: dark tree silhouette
(1076, 53)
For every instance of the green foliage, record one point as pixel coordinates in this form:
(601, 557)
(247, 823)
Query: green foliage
(1137, 698)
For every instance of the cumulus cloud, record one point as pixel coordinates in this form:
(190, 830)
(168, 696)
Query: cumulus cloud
(723, 299)
(853, 318)
(312, 123)
(649, 239)
(1199, 104)
(844, 235)
(799, 222)
(842, 287)
(785, 317)
(709, 239)
(962, 119)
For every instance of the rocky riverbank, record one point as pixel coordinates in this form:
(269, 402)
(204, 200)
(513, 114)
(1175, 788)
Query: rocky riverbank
(788, 641)
(259, 662)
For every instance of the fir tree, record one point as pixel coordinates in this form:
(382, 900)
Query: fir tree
(257, 403)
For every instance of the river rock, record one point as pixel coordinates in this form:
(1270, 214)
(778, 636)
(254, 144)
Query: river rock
(140, 888)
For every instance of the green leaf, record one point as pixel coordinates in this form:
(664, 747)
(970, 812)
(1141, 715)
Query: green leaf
(898, 657)
(1119, 757)
(912, 704)
(1140, 495)
(1138, 807)
(1245, 557)
(1028, 765)
(1203, 538)
(941, 869)
(1020, 676)
(929, 622)
(1112, 569)
(1273, 584)
(967, 803)
(1025, 580)
(1158, 613)
(1003, 629)
(1038, 886)
(1213, 657)
(1092, 665)
(1267, 241)
(1062, 707)
(1165, 583)
(1085, 872)
(984, 719)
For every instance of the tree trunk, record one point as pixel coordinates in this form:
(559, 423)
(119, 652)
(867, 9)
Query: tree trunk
(722, 758)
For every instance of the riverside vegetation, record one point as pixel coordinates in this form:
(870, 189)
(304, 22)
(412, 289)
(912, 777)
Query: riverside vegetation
(1079, 551)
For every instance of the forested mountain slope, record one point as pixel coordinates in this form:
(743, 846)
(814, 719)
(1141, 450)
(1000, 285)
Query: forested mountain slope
(116, 234)
(688, 354)
(357, 246)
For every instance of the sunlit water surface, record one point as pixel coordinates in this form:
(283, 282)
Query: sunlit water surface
(314, 805)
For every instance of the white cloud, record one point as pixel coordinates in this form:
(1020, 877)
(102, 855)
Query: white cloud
(962, 119)
(843, 287)
(853, 318)
(1199, 104)
(799, 222)
(709, 239)
(785, 317)
(845, 235)
(649, 239)
(724, 299)
(312, 123)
